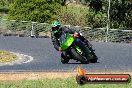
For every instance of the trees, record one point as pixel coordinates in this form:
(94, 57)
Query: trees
(120, 12)
(47, 10)
(4, 5)
(95, 4)
(35, 10)
(120, 15)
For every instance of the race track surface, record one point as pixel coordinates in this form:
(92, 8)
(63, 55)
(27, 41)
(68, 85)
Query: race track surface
(112, 56)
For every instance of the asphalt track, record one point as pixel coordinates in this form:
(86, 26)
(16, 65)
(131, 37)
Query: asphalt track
(112, 56)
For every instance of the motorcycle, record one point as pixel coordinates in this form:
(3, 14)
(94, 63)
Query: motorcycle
(71, 51)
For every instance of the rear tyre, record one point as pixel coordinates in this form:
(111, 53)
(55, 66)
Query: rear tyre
(64, 59)
(93, 60)
(78, 56)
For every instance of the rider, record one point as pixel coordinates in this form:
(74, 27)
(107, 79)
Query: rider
(56, 32)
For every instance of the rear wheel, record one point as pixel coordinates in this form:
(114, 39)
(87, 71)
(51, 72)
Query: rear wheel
(64, 59)
(93, 60)
(78, 56)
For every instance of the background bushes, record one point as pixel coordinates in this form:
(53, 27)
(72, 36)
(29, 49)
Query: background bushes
(89, 13)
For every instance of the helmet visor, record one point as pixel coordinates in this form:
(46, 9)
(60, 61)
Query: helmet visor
(55, 29)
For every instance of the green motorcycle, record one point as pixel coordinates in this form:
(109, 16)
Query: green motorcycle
(72, 51)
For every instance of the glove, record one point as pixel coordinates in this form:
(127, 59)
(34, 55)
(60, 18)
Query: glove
(60, 49)
(76, 34)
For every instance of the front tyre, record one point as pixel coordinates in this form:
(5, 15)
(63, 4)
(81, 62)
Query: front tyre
(64, 59)
(94, 60)
(78, 56)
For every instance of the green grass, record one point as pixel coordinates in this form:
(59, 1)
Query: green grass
(6, 56)
(57, 83)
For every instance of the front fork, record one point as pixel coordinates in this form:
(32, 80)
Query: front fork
(87, 53)
(78, 50)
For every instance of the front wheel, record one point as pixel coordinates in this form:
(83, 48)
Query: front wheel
(79, 56)
(94, 60)
(64, 59)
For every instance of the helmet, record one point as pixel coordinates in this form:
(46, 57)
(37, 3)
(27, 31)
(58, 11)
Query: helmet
(56, 26)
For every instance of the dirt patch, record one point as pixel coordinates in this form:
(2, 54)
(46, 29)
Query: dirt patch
(6, 56)
(20, 58)
(49, 75)
(34, 75)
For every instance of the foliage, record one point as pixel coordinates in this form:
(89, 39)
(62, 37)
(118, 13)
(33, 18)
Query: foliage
(95, 4)
(4, 9)
(120, 11)
(73, 15)
(34, 10)
(4, 5)
(94, 13)
(96, 19)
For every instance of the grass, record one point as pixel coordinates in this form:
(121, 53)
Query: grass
(6, 56)
(57, 83)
